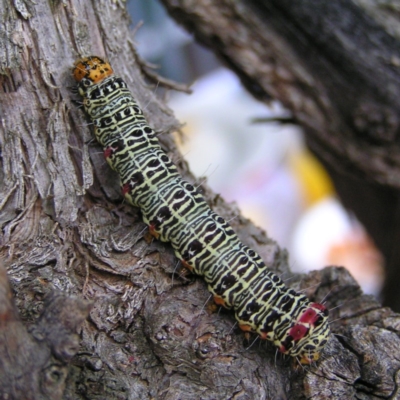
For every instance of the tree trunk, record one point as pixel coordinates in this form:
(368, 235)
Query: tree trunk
(150, 333)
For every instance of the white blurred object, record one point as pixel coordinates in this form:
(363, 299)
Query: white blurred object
(326, 235)
(322, 224)
(219, 131)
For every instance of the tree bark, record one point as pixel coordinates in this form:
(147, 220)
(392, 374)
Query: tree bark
(150, 332)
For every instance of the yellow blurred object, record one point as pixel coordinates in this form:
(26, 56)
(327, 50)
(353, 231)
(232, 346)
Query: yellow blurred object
(311, 175)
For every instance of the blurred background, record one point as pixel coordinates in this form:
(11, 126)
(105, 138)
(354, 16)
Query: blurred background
(262, 165)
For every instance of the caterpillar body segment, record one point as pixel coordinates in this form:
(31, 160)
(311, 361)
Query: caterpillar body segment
(175, 212)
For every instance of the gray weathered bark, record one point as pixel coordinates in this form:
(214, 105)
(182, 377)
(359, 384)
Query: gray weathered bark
(149, 333)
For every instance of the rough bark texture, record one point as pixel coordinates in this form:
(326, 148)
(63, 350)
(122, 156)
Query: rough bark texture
(150, 333)
(36, 362)
(336, 66)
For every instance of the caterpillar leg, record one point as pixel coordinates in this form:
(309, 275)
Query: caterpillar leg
(219, 300)
(187, 265)
(246, 327)
(153, 232)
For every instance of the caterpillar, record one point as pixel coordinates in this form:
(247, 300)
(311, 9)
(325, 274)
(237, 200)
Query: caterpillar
(177, 213)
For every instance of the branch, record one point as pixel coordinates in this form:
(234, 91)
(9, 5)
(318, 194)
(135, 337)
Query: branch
(334, 65)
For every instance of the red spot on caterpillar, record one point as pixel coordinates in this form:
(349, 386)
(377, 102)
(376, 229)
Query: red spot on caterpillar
(298, 332)
(309, 316)
(126, 188)
(108, 152)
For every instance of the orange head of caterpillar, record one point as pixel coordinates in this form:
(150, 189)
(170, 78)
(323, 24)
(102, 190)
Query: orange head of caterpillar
(91, 70)
(308, 335)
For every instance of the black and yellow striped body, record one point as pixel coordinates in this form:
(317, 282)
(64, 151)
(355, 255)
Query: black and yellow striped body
(177, 213)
